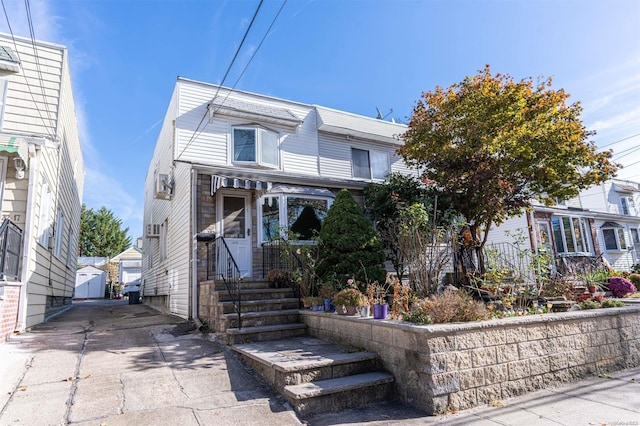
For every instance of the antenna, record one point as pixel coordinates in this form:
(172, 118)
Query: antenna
(380, 116)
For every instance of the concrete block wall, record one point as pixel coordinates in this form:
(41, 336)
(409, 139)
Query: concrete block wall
(458, 366)
(8, 309)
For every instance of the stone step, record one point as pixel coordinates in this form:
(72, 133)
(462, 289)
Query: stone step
(258, 294)
(261, 305)
(253, 319)
(218, 285)
(266, 332)
(337, 394)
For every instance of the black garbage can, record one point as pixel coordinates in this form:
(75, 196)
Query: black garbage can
(134, 297)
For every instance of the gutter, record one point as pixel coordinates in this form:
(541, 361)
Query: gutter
(194, 250)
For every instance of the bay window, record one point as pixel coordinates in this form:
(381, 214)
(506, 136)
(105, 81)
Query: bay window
(255, 145)
(571, 234)
(297, 215)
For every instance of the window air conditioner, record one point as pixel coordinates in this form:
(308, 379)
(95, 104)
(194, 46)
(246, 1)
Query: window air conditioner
(153, 230)
(163, 187)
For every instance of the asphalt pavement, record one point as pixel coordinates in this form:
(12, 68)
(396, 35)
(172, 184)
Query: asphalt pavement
(111, 363)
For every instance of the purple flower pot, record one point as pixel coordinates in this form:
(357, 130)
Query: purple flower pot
(380, 311)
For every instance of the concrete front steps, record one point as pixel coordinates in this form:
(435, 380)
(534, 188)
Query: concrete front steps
(317, 376)
(267, 313)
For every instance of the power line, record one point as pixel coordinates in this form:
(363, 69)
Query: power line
(618, 141)
(254, 54)
(15, 45)
(197, 131)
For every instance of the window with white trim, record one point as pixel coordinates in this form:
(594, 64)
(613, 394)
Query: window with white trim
(571, 234)
(255, 145)
(281, 215)
(614, 239)
(59, 233)
(628, 206)
(369, 164)
(45, 215)
(635, 237)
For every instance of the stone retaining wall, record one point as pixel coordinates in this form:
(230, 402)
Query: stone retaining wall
(457, 366)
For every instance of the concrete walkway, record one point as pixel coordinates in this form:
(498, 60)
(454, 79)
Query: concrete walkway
(110, 363)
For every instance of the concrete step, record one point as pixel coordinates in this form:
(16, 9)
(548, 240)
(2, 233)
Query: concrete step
(316, 375)
(340, 393)
(258, 294)
(218, 285)
(253, 319)
(266, 332)
(262, 305)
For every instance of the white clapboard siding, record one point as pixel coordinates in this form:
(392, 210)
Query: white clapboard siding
(179, 242)
(499, 234)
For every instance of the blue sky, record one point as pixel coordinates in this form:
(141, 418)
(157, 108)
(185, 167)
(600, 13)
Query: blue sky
(349, 55)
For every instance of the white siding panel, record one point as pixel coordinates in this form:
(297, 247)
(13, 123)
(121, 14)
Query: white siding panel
(498, 234)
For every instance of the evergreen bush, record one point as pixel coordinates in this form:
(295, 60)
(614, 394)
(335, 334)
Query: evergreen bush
(349, 247)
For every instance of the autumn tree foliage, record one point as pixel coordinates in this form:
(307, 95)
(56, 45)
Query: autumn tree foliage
(493, 145)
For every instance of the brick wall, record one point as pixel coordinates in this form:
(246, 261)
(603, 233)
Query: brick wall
(458, 366)
(9, 310)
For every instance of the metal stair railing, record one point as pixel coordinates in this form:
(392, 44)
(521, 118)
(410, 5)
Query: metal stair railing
(10, 249)
(508, 256)
(221, 265)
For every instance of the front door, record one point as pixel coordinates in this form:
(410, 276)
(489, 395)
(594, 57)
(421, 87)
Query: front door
(235, 226)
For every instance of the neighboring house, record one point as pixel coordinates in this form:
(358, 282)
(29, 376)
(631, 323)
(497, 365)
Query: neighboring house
(126, 266)
(41, 182)
(602, 221)
(244, 167)
(90, 283)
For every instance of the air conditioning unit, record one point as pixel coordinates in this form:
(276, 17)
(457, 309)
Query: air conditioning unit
(153, 230)
(163, 187)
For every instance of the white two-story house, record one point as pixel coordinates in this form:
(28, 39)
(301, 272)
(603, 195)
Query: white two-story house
(602, 221)
(41, 182)
(243, 167)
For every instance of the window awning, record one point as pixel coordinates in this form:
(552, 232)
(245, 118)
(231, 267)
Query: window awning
(218, 182)
(15, 144)
(611, 225)
(621, 187)
(302, 190)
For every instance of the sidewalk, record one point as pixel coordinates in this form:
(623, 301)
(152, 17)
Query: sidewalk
(110, 363)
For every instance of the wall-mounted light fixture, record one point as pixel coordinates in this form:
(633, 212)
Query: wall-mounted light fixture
(19, 165)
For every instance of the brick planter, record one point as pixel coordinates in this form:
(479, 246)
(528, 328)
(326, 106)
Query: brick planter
(458, 366)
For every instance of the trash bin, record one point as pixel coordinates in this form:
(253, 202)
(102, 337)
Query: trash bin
(134, 297)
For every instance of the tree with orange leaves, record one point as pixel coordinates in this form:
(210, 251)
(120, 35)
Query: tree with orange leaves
(492, 145)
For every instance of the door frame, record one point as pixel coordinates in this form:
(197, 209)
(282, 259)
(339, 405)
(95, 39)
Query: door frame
(248, 239)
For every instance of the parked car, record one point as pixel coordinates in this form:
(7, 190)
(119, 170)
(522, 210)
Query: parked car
(132, 286)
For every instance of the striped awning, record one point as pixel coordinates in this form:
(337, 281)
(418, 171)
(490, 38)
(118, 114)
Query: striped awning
(15, 144)
(218, 182)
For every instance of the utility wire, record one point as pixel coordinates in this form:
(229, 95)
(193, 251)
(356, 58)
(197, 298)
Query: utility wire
(620, 140)
(15, 45)
(253, 55)
(197, 131)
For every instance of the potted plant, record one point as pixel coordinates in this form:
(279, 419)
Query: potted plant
(348, 300)
(279, 278)
(378, 298)
(326, 291)
(314, 302)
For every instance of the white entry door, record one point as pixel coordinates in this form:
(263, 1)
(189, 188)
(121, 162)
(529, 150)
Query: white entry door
(235, 226)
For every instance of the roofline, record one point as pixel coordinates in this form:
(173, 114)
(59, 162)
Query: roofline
(39, 42)
(353, 114)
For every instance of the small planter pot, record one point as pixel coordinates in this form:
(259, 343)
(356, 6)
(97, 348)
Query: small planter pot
(346, 310)
(364, 311)
(317, 308)
(328, 306)
(380, 311)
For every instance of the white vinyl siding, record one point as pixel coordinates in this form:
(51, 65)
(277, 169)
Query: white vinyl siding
(59, 234)
(337, 158)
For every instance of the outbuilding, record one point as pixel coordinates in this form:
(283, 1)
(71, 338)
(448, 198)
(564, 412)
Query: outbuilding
(90, 283)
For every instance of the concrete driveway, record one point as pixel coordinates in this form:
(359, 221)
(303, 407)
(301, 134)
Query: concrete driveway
(111, 363)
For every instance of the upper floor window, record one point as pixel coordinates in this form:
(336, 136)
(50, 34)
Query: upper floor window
(571, 234)
(614, 238)
(369, 164)
(255, 145)
(628, 206)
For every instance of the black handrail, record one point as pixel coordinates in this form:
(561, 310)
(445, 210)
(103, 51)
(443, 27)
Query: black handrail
(221, 265)
(10, 249)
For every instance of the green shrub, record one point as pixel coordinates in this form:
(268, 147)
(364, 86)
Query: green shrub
(349, 247)
(635, 279)
(589, 304)
(612, 303)
(349, 297)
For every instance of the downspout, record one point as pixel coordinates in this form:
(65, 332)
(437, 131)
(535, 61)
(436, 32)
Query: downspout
(27, 245)
(194, 251)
